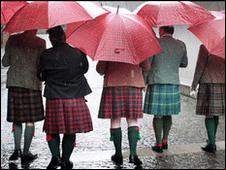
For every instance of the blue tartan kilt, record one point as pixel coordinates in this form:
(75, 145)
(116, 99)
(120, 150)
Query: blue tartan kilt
(162, 100)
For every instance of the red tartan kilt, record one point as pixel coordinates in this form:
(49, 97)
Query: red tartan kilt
(67, 116)
(24, 105)
(117, 102)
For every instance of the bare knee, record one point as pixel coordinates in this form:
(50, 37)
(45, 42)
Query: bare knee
(30, 124)
(132, 122)
(116, 123)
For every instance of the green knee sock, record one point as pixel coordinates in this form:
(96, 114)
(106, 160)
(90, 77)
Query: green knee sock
(210, 127)
(68, 146)
(216, 121)
(54, 145)
(167, 122)
(158, 127)
(133, 137)
(116, 137)
(17, 135)
(28, 135)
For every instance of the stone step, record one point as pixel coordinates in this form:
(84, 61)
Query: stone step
(173, 150)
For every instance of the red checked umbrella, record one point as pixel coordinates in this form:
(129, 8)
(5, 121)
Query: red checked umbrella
(163, 13)
(212, 34)
(116, 37)
(9, 8)
(47, 14)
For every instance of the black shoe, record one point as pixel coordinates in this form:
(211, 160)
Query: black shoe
(16, 154)
(28, 158)
(211, 148)
(134, 159)
(118, 160)
(67, 165)
(54, 163)
(164, 145)
(157, 149)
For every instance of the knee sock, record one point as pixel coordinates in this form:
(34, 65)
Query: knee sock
(167, 122)
(67, 146)
(133, 137)
(17, 135)
(54, 145)
(116, 137)
(216, 121)
(210, 127)
(158, 127)
(28, 135)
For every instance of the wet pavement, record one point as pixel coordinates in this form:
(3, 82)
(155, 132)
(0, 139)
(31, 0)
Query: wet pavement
(93, 149)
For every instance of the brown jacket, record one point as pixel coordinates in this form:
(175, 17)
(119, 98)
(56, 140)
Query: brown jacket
(22, 55)
(209, 68)
(122, 74)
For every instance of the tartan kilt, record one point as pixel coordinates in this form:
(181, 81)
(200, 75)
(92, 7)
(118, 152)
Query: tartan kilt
(124, 101)
(211, 100)
(67, 116)
(24, 105)
(162, 100)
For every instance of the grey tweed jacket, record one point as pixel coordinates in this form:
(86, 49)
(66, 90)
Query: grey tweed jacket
(164, 67)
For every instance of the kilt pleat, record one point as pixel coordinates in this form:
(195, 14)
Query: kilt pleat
(117, 102)
(67, 116)
(162, 100)
(211, 100)
(24, 105)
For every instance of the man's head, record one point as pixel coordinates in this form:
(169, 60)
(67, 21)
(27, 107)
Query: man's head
(56, 35)
(31, 32)
(166, 30)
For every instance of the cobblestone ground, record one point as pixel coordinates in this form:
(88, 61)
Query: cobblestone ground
(187, 128)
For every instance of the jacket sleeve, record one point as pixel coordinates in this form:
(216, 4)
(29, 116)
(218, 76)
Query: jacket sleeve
(145, 65)
(85, 63)
(7, 55)
(200, 66)
(184, 60)
(101, 67)
(40, 70)
(41, 49)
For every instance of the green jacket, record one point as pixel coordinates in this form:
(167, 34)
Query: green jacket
(164, 67)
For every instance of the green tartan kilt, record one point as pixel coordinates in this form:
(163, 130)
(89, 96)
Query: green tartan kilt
(162, 100)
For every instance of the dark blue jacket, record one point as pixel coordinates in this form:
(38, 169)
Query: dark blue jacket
(62, 68)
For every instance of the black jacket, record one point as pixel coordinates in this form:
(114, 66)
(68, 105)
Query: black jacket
(62, 68)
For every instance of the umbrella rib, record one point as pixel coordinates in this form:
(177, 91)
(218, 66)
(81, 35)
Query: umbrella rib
(101, 39)
(130, 38)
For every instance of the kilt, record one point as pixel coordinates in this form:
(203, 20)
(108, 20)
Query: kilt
(211, 100)
(162, 100)
(67, 116)
(24, 105)
(124, 101)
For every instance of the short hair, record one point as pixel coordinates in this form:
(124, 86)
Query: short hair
(168, 29)
(58, 33)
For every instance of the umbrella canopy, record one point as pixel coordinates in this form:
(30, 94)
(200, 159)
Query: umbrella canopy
(163, 13)
(9, 8)
(116, 37)
(47, 14)
(212, 34)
